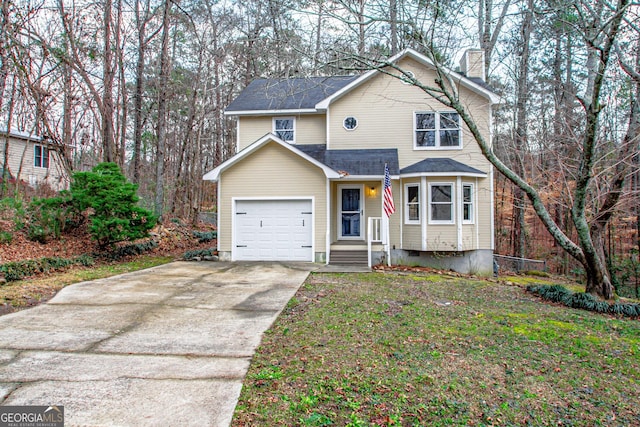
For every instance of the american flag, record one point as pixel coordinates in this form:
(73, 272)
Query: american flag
(387, 204)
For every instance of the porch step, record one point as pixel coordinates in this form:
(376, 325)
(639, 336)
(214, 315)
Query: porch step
(349, 257)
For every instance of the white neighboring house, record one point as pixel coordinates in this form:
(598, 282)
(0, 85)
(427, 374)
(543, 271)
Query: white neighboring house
(31, 159)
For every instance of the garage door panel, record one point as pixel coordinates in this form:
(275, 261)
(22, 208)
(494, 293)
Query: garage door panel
(273, 230)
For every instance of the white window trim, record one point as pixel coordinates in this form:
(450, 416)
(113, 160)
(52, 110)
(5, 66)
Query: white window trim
(437, 131)
(472, 203)
(363, 228)
(293, 120)
(407, 220)
(353, 128)
(453, 205)
(42, 148)
(409, 75)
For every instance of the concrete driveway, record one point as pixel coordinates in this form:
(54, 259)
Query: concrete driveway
(164, 346)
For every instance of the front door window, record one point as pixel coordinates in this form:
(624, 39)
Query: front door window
(350, 213)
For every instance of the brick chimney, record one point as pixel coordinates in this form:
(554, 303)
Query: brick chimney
(472, 63)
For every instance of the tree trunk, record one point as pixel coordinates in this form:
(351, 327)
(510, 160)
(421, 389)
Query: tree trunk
(141, 24)
(5, 160)
(486, 36)
(361, 28)
(318, 36)
(521, 136)
(162, 113)
(393, 22)
(108, 137)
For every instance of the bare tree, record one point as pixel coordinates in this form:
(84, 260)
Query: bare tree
(586, 247)
(161, 135)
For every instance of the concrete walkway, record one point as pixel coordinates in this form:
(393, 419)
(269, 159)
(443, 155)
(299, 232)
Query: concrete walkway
(165, 346)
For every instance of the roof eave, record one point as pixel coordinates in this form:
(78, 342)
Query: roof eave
(214, 174)
(443, 174)
(492, 97)
(367, 177)
(270, 112)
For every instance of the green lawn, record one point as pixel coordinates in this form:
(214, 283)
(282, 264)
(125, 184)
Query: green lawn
(426, 350)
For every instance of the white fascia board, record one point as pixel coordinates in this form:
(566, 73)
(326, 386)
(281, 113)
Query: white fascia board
(270, 112)
(214, 175)
(445, 174)
(493, 98)
(367, 177)
(26, 136)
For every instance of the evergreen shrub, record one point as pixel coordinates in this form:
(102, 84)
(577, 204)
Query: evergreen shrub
(111, 204)
(18, 270)
(205, 236)
(190, 255)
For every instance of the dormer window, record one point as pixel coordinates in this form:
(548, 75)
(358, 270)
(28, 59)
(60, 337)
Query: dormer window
(437, 130)
(285, 128)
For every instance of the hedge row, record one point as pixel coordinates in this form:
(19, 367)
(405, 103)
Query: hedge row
(198, 253)
(129, 250)
(582, 300)
(20, 269)
(205, 236)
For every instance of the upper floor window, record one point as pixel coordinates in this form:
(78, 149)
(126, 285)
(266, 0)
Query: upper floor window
(441, 203)
(412, 197)
(467, 203)
(437, 130)
(350, 123)
(40, 156)
(285, 128)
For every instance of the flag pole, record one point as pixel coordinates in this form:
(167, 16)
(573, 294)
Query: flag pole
(388, 208)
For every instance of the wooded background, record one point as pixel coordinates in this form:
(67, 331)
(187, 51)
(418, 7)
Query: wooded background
(144, 83)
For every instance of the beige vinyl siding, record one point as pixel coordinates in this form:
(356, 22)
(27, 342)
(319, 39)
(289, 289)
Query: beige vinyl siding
(309, 129)
(250, 129)
(412, 237)
(485, 205)
(384, 107)
(273, 172)
(469, 240)
(21, 151)
(442, 237)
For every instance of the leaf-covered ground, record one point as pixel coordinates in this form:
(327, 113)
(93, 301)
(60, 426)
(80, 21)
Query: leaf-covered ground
(418, 349)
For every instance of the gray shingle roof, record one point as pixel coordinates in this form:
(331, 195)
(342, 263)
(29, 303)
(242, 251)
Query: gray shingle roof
(367, 162)
(440, 166)
(287, 94)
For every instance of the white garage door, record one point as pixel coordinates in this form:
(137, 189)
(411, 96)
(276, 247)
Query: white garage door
(273, 230)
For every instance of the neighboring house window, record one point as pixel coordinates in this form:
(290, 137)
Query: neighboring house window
(441, 203)
(285, 128)
(467, 203)
(437, 130)
(412, 209)
(41, 156)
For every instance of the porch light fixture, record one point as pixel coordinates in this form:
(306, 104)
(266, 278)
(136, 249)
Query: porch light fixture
(371, 191)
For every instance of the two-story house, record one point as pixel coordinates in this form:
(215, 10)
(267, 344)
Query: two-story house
(29, 158)
(307, 181)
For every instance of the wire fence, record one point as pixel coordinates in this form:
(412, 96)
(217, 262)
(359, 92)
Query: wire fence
(516, 264)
